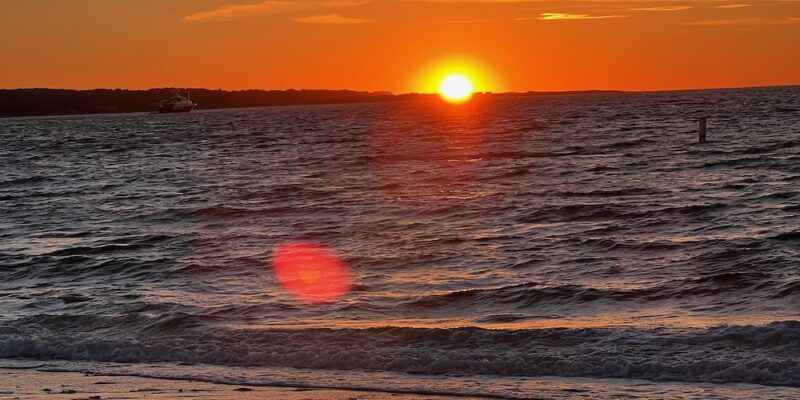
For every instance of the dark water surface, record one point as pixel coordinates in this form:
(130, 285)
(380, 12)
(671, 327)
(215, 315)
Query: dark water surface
(575, 237)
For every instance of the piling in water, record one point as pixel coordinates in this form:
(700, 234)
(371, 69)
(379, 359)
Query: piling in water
(702, 129)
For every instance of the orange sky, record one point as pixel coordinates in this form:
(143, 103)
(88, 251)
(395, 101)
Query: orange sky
(396, 45)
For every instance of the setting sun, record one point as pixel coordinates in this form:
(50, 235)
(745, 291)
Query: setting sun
(456, 88)
(455, 79)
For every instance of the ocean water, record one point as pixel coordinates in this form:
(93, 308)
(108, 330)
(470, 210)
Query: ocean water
(570, 246)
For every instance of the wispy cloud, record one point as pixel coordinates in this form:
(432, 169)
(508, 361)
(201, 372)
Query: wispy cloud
(565, 16)
(331, 19)
(746, 22)
(742, 5)
(238, 11)
(661, 8)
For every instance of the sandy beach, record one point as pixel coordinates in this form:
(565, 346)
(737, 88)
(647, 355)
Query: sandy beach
(31, 384)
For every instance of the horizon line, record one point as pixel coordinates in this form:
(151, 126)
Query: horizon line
(390, 93)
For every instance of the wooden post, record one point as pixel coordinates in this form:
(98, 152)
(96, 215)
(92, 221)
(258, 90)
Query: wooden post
(702, 127)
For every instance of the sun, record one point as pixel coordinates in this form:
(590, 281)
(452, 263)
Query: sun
(455, 88)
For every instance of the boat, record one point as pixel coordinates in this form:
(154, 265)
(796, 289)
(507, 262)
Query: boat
(176, 103)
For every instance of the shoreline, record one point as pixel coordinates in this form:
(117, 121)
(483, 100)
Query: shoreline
(86, 104)
(117, 101)
(38, 384)
(31, 382)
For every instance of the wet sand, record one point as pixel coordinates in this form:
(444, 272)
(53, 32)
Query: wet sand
(31, 384)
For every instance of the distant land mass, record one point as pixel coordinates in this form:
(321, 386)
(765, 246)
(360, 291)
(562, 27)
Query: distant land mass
(41, 102)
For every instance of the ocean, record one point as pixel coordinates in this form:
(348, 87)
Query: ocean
(559, 246)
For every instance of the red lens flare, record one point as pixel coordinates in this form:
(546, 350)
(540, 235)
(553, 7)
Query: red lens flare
(310, 272)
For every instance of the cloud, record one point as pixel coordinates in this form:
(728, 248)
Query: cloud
(238, 11)
(746, 22)
(564, 16)
(330, 19)
(733, 6)
(661, 8)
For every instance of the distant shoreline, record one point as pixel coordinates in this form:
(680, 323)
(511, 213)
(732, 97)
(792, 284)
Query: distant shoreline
(65, 102)
(41, 102)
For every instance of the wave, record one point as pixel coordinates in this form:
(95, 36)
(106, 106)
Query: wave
(517, 155)
(212, 213)
(576, 212)
(68, 266)
(788, 236)
(28, 180)
(631, 143)
(114, 246)
(529, 294)
(512, 173)
(742, 162)
(769, 148)
(767, 354)
(485, 155)
(605, 211)
(611, 192)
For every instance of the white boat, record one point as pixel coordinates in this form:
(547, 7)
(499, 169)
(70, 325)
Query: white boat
(176, 103)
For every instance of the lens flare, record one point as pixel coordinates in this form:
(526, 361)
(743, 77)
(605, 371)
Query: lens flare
(310, 272)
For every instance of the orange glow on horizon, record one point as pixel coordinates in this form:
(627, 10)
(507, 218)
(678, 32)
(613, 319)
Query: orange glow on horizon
(456, 79)
(310, 272)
